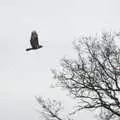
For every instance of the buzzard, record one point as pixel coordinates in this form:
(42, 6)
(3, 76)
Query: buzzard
(34, 41)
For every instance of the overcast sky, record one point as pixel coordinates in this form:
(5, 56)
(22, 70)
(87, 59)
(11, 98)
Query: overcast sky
(23, 75)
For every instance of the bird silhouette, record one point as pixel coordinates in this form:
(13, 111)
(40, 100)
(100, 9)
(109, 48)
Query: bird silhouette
(34, 41)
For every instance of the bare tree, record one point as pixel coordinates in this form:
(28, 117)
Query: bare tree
(51, 109)
(94, 78)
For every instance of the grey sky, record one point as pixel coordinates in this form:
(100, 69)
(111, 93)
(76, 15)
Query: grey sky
(26, 74)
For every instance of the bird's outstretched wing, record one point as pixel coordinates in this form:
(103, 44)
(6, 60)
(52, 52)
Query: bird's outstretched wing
(28, 49)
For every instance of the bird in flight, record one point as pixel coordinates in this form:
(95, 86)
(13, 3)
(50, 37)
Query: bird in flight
(34, 41)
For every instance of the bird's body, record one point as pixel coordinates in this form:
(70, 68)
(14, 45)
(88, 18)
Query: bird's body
(34, 41)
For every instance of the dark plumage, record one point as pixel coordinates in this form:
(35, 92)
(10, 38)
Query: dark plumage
(34, 41)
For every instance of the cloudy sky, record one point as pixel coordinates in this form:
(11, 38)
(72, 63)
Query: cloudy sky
(23, 75)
